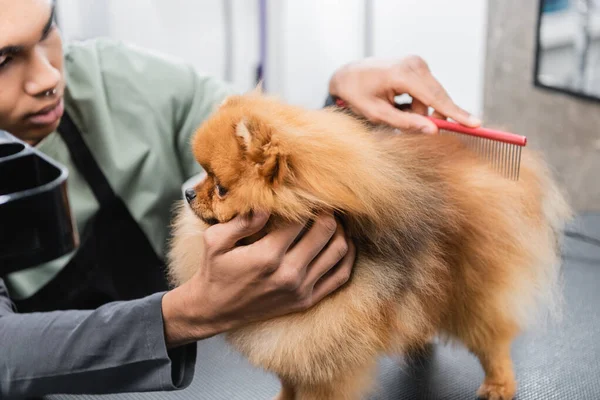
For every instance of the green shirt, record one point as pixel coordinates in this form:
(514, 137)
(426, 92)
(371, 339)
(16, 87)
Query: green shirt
(137, 111)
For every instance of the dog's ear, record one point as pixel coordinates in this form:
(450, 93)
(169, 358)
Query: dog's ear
(261, 147)
(243, 132)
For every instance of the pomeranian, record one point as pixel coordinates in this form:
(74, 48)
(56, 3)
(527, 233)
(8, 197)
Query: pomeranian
(446, 247)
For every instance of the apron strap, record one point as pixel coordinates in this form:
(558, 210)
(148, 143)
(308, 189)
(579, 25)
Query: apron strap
(85, 161)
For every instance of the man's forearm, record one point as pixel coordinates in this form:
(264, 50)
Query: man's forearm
(188, 319)
(119, 347)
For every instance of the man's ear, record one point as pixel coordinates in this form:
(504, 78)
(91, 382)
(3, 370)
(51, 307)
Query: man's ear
(260, 144)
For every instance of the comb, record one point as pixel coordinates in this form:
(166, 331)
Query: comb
(501, 149)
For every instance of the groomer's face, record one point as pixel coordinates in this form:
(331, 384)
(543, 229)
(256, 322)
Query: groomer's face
(31, 69)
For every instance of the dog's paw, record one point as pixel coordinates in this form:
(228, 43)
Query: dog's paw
(494, 391)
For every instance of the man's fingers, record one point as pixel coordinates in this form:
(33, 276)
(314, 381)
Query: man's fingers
(223, 237)
(418, 107)
(279, 241)
(435, 96)
(337, 277)
(461, 116)
(336, 249)
(436, 114)
(416, 79)
(311, 244)
(381, 111)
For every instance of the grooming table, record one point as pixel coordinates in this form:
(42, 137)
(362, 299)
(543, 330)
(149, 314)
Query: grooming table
(562, 362)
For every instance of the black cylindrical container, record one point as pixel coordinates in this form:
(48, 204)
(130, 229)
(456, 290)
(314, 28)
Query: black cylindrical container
(36, 224)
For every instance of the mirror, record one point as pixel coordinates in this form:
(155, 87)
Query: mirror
(568, 47)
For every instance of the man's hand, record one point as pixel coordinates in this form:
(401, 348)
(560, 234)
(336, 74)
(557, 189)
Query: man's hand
(368, 88)
(271, 277)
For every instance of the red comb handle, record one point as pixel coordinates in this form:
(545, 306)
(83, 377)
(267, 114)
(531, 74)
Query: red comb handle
(492, 134)
(500, 136)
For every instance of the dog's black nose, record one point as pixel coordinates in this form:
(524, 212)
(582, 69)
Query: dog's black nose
(190, 194)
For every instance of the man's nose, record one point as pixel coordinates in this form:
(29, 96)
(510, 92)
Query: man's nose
(190, 194)
(44, 75)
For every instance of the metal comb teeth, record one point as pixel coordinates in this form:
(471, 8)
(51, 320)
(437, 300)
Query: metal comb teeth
(504, 158)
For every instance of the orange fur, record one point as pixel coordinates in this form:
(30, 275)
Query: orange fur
(446, 246)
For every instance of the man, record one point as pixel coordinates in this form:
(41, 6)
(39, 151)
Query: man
(102, 318)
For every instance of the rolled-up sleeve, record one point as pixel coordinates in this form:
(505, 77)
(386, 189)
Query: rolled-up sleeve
(117, 348)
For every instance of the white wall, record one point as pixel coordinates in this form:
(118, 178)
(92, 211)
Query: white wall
(189, 29)
(449, 35)
(308, 39)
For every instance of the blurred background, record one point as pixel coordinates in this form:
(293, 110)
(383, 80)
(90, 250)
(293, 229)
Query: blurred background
(306, 40)
(529, 66)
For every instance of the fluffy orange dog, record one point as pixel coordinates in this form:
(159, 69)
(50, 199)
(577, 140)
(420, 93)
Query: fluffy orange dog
(445, 246)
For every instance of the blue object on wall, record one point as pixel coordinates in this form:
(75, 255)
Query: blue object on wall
(555, 5)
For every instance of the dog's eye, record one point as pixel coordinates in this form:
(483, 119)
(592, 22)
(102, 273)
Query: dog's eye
(221, 191)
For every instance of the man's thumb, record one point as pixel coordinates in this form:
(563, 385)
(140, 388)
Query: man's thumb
(243, 226)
